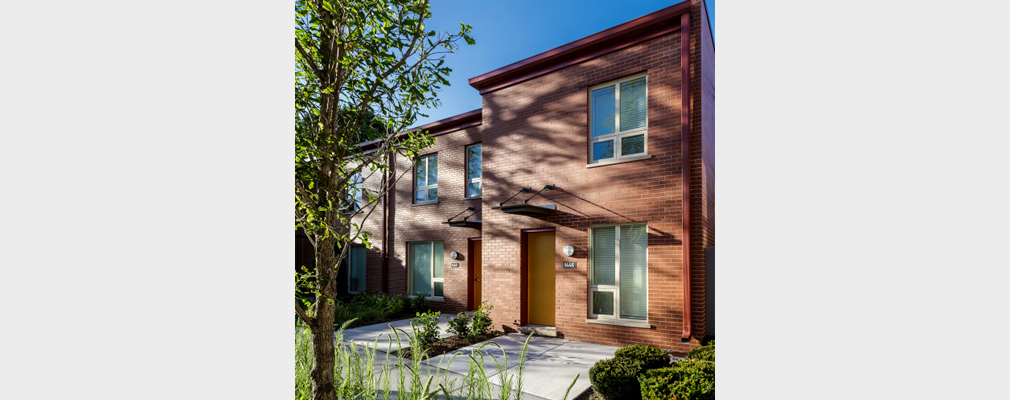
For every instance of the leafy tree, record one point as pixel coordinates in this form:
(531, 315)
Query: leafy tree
(364, 69)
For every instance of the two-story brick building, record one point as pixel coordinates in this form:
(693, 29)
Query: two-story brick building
(578, 200)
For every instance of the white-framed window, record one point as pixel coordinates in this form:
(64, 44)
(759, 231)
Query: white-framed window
(355, 261)
(474, 171)
(619, 121)
(355, 195)
(426, 269)
(426, 179)
(618, 272)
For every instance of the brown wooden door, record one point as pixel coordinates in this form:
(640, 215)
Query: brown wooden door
(541, 278)
(476, 254)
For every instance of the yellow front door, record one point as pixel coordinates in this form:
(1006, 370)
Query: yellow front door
(541, 278)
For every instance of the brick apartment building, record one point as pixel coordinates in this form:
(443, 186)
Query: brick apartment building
(577, 198)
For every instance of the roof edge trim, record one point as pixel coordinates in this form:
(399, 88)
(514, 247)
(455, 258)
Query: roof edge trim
(453, 123)
(440, 127)
(624, 35)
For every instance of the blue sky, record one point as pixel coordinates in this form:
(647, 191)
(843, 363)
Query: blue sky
(522, 28)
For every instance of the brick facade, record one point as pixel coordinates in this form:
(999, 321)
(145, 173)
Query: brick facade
(426, 222)
(535, 132)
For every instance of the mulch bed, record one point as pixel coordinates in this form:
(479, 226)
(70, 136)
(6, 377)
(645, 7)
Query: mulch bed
(449, 344)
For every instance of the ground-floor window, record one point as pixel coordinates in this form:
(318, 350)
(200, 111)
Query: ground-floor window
(355, 261)
(426, 269)
(618, 269)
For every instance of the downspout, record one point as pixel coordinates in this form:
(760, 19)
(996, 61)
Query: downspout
(385, 228)
(685, 167)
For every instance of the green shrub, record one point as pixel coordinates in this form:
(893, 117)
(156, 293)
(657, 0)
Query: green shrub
(460, 325)
(706, 352)
(481, 318)
(418, 303)
(366, 300)
(651, 357)
(426, 329)
(688, 379)
(395, 305)
(364, 310)
(615, 378)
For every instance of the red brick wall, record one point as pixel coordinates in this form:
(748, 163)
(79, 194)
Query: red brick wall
(425, 222)
(371, 222)
(703, 176)
(535, 133)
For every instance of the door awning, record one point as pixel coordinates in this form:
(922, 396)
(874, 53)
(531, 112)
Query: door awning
(525, 208)
(464, 223)
(476, 224)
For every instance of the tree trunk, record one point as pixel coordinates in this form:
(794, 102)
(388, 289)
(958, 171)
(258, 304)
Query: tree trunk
(322, 326)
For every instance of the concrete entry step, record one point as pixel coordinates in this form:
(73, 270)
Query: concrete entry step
(539, 330)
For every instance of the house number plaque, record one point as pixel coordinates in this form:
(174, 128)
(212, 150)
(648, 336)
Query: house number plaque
(567, 264)
(454, 265)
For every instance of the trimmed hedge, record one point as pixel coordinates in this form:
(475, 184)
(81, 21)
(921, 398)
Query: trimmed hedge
(651, 357)
(706, 352)
(616, 378)
(688, 379)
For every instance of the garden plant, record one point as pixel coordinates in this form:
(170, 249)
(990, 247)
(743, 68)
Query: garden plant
(356, 375)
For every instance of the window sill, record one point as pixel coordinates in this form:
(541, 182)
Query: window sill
(424, 204)
(472, 198)
(435, 299)
(619, 322)
(620, 161)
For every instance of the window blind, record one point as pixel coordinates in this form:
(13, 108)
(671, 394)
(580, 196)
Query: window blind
(474, 170)
(603, 111)
(633, 104)
(432, 169)
(420, 268)
(420, 174)
(634, 240)
(603, 256)
(439, 268)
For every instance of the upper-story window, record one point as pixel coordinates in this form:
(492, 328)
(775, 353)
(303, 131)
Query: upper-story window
(355, 194)
(426, 179)
(618, 119)
(473, 171)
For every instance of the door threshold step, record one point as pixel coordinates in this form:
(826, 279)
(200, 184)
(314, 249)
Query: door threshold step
(539, 330)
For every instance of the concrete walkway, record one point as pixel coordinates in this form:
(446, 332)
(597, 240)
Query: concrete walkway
(550, 365)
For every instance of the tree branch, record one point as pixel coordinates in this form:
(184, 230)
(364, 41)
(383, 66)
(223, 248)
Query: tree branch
(301, 313)
(309, 61)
